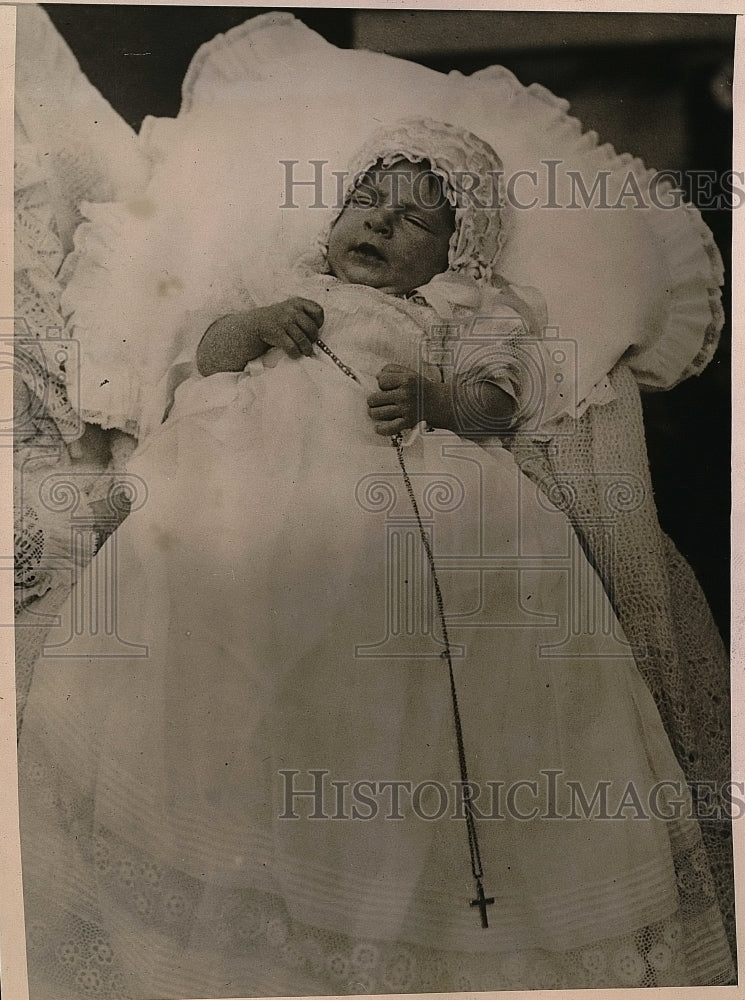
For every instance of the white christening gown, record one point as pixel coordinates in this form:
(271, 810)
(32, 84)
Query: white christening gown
(271, 630)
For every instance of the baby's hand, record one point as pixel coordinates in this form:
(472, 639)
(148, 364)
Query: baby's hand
(470, 409)
(234, 340)
(397, 406)
(292, 325)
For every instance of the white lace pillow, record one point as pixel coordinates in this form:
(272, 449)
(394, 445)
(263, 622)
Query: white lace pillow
(271, 103)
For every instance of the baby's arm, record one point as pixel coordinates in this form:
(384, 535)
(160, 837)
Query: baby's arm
(468, 407)
(234, 340)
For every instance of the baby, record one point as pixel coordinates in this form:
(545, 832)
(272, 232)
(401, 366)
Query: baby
(394, 235)
(276, 584)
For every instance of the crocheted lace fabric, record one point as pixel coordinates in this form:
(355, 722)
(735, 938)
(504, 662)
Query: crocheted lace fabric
(69, 145)
(143, 901)
(44, 418)
(47, 547)
(597, 472)
(594, 466)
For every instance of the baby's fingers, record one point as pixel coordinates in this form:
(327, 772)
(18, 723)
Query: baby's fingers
(388, 428)
(286, 343)
(299, 341)
(395, 376)
(312, 310)
(381, 399)
(384, 413)
(308, 326)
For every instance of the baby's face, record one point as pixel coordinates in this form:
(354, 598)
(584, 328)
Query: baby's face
(395, 231)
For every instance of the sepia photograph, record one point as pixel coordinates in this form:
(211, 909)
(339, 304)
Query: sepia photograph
(371, 490)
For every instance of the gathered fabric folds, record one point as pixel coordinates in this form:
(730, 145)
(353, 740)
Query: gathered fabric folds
(238, 765)
(206, 788)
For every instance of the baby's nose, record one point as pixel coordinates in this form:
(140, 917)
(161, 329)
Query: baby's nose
(380, 220)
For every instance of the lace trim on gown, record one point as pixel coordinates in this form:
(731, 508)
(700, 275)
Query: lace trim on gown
(183, 937)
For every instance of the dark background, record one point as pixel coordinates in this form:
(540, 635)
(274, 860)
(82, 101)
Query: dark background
(658, 86)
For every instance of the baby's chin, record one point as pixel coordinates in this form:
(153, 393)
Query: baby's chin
(353, 268)
(373, 273)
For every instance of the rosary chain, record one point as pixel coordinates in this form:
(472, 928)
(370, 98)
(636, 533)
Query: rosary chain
(473, 840)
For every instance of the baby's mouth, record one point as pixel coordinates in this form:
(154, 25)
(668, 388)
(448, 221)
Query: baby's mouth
(369, 252)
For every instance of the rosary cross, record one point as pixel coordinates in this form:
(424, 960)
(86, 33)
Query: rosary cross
(482, 902)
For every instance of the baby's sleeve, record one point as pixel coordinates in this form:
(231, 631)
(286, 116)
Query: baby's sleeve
(489, 351)
(502, 342)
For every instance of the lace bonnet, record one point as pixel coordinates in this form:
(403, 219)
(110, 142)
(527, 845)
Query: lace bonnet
(472, 181)
(277, 100)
